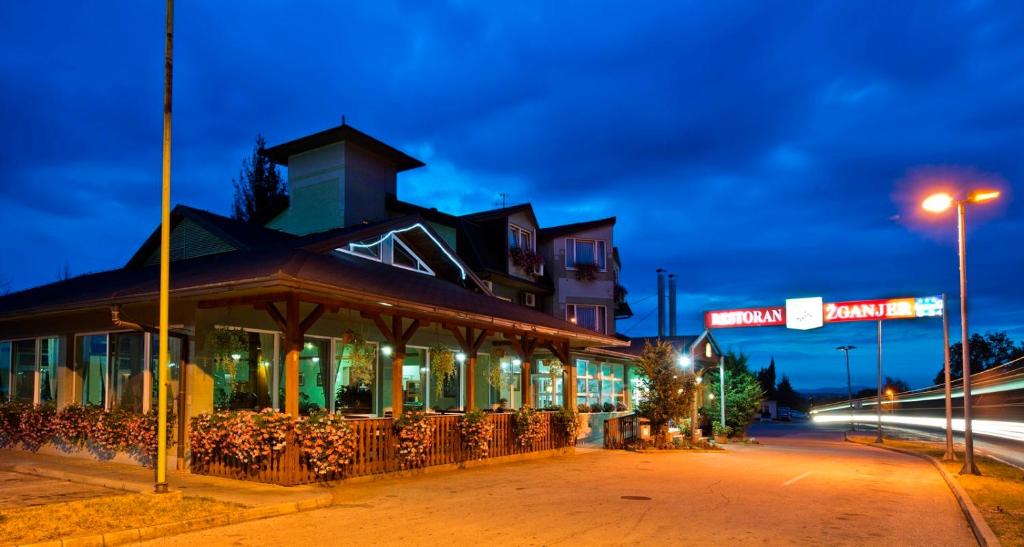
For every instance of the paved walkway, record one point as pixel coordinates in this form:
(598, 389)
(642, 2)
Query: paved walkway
(20, 490)
(798, 488)
(140, 479)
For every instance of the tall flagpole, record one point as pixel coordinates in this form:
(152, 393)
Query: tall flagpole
(165, 265)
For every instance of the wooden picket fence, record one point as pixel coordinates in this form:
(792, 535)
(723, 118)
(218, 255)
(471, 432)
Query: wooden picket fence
(376, 445)
(621, 430)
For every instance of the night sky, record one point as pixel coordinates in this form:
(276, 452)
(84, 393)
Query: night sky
(760, 150)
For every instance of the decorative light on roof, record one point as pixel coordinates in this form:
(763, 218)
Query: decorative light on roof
(381, 239)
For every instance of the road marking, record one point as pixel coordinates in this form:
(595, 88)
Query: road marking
(794, 479)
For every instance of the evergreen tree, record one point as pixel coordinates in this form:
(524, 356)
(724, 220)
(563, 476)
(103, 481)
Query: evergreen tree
(766, 377)
(787, 396)
(260, 193)
(991, 350)
(743, 393)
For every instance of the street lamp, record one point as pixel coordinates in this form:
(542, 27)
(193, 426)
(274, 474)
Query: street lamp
(685, 361)
(939, 203)
(892, 399)
(849, 388)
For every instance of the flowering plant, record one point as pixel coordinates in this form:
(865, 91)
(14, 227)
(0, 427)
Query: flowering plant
(37, 426)
(529, 261)
(569, 421)
(476, 429)
(73, 425)
(10, 423)
(415, 437)
(528, 426)
(248, 438)
(327, 442)
(442, 367)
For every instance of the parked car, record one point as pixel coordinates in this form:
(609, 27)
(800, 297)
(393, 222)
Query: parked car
(783, 413)
(797, 415)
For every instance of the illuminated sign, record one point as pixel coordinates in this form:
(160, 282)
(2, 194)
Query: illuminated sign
(804, 313)
(748, 317)
(812, 313)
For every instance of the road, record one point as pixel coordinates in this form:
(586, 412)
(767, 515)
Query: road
(802, 486)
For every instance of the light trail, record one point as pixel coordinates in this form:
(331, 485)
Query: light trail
(1013, 431)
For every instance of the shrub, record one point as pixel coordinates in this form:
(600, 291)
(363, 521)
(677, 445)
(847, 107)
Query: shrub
(528, 426)
(74, 425)
(415, 436)
(608, 407)
(583, 408)
(476, 430)
(327, 442)
(10, 423)
(245, 437)
(37, 426)
(720, 430)
(568, 420)
(596, 407)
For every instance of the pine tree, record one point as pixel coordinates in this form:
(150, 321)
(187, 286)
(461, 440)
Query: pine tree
(260, 193)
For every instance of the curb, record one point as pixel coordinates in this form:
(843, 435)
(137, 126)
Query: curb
(979, 527)
(136, 535)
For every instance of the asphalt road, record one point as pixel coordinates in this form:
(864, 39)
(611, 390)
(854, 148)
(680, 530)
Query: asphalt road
(802, 486)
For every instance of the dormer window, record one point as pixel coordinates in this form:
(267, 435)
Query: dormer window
(519, 238)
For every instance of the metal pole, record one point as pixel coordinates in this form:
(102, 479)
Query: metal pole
(165, 266)
(950, 454)
(721, 384)
(969, 466)
(878, 436)
(849, 387)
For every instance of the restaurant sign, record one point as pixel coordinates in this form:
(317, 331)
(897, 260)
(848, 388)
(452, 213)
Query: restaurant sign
(811, 313)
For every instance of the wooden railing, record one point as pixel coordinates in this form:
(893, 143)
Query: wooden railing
(620, 431)
(375, 450)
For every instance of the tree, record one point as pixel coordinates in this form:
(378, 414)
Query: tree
(743, 393)
(786, 395)
(260, 193)
(667, 392)
(990, 350)
(895, 384)
(766, 377)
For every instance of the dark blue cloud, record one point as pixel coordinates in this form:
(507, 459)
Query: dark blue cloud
(760, 151)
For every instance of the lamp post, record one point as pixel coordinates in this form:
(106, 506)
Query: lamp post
(938, 203)
(849, 387)
(165, 264)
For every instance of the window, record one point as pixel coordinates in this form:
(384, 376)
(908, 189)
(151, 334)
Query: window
(49, 359)
(547, 387)
(354, 381)
(586, 251)
(599, 386)
(588, 316)
(127, 365)
(519, 238)
(245, 382)
(389, 250)
(23, 369)
(91, 360)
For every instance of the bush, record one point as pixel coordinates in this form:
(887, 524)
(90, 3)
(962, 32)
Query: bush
(415, 436)
(10, 423)
(245, 437)
(568, 420)
(583, 408)
(608, 407)
(720, 430)
(476, 429)
(528, 426)
(327, 442)
(596, 407)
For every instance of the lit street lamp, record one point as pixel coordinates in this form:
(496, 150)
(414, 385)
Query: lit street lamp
(938, 203)
(849, 388)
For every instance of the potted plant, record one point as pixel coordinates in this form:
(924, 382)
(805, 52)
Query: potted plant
(721, 432)
(442, 367)
(527, 260)
(586, 272)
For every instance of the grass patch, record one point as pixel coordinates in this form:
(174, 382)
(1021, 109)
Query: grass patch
(998, 492)
(101, 515)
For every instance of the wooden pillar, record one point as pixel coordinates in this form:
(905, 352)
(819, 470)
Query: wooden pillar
(568, 385)
(397, 391)
(524, 346)
(526, 383)
(694, 425)
(470, 382)
(627, 388)
(293, 345)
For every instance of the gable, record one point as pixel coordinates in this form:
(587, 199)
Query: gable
(188, 240)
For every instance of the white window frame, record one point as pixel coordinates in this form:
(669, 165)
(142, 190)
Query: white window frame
(36, 361)
(520, 232)
(387, 254)
(570, 315)
(419, 261)
(570, 250)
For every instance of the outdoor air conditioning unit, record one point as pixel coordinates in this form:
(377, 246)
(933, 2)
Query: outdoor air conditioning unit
(529, 299)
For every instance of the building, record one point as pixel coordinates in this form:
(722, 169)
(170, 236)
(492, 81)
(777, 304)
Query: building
(280, 316)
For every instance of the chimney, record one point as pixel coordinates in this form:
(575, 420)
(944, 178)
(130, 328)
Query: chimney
(661, 302)
(672, 304)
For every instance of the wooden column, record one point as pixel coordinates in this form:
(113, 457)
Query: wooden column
(627, 391)
(470, 343)
(525, 346)
(293, 346)
(398, 339)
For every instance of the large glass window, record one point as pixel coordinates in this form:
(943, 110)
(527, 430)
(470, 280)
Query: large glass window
(414, 376)
(127, 358)
(547, 386)
(354, 379)
(49, 360)
(24, 370)
(5, 371)
(92, 362)
(174, 365)
(314, 370)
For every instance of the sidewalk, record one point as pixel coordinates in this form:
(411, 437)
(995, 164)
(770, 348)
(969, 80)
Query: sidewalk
(136, 478)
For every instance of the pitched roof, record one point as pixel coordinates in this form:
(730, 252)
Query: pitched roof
(566, 229)
(280, 153)
(493, 214)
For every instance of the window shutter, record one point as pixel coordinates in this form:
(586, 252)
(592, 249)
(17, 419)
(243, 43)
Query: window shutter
(570, 252)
